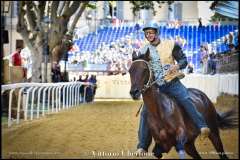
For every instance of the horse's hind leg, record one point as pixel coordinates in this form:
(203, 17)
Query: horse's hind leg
(216, 141)
(191, 150)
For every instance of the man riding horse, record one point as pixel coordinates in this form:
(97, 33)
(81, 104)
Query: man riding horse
(163, 54)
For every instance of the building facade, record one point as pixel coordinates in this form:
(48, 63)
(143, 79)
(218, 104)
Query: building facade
(120, 12)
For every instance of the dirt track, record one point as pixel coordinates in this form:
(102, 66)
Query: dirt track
(98, 130)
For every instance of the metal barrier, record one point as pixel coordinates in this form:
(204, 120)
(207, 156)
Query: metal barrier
(53, 96)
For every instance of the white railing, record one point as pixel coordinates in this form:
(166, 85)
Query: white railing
(55, 97)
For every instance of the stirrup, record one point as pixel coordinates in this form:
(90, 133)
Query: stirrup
(205, 131)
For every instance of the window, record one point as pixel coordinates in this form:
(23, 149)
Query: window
(19, 43)
(120, 9)
(178, 11)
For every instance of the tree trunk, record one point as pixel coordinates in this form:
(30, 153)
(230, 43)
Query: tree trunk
(30, 26)
(36, 68)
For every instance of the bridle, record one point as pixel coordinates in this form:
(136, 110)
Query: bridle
(149, 82)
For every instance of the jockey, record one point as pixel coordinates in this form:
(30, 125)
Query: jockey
(162, 54)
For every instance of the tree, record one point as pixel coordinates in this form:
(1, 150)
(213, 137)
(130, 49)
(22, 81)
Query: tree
(31, 15)
(138, 5)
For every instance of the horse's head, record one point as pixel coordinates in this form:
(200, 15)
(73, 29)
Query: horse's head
(139, 74)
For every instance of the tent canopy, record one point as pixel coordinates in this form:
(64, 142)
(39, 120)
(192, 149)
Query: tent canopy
(228, 8)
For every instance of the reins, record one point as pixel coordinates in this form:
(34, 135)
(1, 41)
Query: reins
(149, 83)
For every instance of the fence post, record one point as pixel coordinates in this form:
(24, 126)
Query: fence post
(10, 108)
(64, 99)
(49, 99)
(19, 104)
(53, 99)
(60, 97)
(38, 104)
(26, 105)
(78, 94)
(43, 100)
(70, 95)
(75, 95)
(33, 95)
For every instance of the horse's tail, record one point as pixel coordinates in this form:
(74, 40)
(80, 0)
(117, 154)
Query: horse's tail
(228, 120)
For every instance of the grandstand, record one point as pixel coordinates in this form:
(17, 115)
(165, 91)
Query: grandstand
(194, 36)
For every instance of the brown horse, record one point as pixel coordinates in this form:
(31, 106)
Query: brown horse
(168, 122)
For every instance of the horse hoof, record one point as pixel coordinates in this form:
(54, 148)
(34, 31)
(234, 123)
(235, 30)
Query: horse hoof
(158, 156)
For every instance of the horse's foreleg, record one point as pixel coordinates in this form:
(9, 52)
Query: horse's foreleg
(157, 151)
(181, 140)
(191, 150)
(216, 141)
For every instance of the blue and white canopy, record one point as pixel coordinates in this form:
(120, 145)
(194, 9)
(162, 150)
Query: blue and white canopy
(228, 8)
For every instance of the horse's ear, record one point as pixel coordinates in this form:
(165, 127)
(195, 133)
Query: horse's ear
(147, 55)
(134, 55)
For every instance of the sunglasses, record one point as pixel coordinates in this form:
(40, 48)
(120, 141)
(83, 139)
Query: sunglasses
(149, 32)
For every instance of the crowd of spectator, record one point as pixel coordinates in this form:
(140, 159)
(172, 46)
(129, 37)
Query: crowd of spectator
(90, 89)
(210, 58)
(117, 55)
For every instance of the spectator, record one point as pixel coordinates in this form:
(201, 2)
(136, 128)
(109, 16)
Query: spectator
(81, 88)
(27, 62)
(89, 90)
(236, 40)
(80, 78)
(56, 73)
(18, 61)
(16, 57)
(86, 78)
(189, 68)
(200, 22)
(93, 80)
(230, 37)
(232, 42)
(212, 63)
(204, 59)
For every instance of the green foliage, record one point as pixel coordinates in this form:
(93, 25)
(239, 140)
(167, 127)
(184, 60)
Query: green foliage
(218, 17)
(92, 6)
(138, 5)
